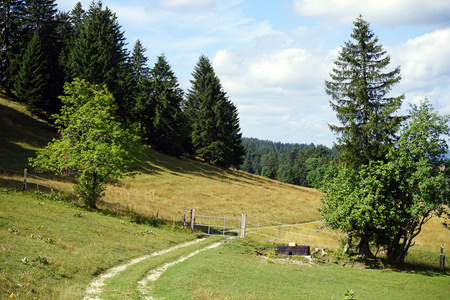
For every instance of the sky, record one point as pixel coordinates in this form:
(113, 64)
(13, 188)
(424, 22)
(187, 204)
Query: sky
(273, 56)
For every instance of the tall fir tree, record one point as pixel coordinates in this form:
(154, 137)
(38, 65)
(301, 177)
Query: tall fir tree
(141, 111)
(12, 40)
(359, 88)
(41, 18)
(98, 52)
(169, 130)
(32, 79)
(212, 119)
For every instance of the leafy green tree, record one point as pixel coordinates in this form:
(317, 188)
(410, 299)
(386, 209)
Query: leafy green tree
(169, 129)
(11, 42)
(213, 119)
(388, 201)
(32, 80)
(359, 88)
(92, 145)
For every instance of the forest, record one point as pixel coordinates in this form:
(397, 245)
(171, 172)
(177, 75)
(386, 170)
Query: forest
(299, 164)
(45, 52)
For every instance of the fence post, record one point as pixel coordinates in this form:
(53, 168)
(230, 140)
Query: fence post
(242, 234)
(192, 223)
(25, 179)
(441, 259)
(184, 221)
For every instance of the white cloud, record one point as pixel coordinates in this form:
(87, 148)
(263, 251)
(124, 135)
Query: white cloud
(392, 12)
(425, 69)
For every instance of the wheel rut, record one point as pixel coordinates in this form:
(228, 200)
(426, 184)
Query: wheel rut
(96, 287)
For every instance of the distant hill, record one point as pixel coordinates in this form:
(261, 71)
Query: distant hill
(299, 164)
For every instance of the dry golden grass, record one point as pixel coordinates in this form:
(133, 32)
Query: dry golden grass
(168, 185)
(433, 235)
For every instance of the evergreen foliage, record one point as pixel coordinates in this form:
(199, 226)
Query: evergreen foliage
(213, 119)
(11, 42)
(300, 164)
(359, 89)
(98, 52)
(168, 132)
(93, 145)
(143, 108)
(32, 80)
(41, 18)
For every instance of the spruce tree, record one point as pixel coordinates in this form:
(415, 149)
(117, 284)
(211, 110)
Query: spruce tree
(11, 42)
(359, 88)
(212, 118)
(142, 111)
(41, 18)
(169, 130)
(98, 52)
(32, 80)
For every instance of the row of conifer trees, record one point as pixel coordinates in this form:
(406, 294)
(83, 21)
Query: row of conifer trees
(41, 48)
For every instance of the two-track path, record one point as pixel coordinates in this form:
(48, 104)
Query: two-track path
(96, 287)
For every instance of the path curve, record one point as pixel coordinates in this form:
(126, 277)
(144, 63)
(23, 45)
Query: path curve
(95, 287)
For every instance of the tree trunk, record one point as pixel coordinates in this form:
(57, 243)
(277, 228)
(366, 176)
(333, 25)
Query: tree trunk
(364, 248)
(348, 246)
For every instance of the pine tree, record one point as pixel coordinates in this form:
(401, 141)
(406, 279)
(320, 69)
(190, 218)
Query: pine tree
(98, 52)
(142, 111)
(169, 130)
(11, 42)
(359, 89)
(213, 119)
(32, 80)
(41, 18)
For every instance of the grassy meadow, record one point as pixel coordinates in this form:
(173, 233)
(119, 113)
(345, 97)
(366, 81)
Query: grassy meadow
(51, 247)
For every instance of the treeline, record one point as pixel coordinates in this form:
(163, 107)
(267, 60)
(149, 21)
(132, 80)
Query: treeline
(299, 164)
(42, 48)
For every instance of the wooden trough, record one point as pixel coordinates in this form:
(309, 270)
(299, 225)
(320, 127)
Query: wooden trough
(292, 249)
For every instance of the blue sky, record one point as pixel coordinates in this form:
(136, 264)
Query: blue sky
(272, 57)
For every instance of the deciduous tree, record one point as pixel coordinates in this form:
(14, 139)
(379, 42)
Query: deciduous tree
(388, 201)
(92, 144)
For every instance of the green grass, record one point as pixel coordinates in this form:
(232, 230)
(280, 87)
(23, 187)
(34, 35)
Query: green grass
(233, 271)
(51, 249)
(124, 285)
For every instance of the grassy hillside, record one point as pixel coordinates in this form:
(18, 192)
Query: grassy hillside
(165, 184)
(51, 249)
(21, 135)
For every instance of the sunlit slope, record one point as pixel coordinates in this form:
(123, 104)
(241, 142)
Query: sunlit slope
(166, 185)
